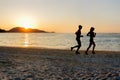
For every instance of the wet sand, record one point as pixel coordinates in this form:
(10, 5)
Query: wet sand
(19, 63)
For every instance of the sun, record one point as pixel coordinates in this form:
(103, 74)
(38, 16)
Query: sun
(26, 22)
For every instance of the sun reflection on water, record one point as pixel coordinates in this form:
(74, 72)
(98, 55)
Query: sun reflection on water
(26, 42)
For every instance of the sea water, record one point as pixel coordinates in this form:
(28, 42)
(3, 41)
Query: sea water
(104, 41)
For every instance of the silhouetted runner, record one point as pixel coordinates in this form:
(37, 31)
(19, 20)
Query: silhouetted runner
(92, 35)
(78, 35)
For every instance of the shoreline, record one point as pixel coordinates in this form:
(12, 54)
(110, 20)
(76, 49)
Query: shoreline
(67, 49)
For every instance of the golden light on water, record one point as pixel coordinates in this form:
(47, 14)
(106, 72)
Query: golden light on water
(26, 42)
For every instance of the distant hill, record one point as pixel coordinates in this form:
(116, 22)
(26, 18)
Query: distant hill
(24, 30)
(2, 30)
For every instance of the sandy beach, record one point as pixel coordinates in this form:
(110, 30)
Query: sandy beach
(19, 63)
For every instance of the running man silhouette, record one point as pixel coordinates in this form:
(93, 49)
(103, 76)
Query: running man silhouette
(92, 35)
(78, 35)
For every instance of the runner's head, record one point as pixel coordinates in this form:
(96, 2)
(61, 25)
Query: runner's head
(92, 29)
(80, 27)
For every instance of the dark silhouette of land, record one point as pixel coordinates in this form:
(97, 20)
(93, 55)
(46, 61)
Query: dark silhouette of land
(28, 30)
(2, 30)
(23, 30)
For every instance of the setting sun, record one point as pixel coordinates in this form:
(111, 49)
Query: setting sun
(26, 22)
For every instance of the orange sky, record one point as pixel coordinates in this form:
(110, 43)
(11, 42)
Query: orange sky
(61, 15)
